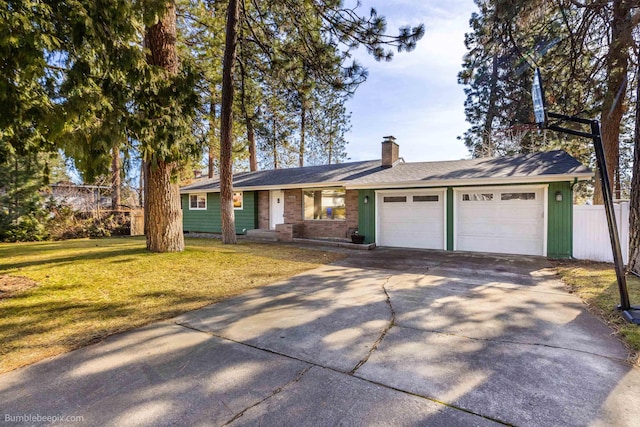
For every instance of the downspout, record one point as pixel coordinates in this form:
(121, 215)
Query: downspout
(575, 181)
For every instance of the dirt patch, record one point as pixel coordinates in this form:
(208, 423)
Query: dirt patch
(11, 285)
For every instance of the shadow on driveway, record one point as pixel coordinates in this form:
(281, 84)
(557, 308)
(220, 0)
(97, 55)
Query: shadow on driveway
(389, 336)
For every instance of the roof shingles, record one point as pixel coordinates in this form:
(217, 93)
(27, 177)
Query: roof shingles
(523, 166)
(371, 173)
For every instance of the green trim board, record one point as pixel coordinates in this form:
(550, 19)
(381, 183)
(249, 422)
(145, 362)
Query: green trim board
(450, 218)
(208, 220)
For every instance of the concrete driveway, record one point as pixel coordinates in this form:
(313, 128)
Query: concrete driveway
(384, 337)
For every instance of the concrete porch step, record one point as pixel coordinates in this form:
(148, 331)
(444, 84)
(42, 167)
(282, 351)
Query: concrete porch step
(263, 235)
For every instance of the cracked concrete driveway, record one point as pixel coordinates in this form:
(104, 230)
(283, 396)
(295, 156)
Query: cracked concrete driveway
(384, 337)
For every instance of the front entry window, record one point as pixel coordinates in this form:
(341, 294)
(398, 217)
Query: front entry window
(325, 204)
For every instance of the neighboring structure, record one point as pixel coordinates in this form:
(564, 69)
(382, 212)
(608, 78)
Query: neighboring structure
(518, 205)
(81, 197)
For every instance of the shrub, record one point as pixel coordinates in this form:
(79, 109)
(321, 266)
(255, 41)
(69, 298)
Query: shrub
(27, 228)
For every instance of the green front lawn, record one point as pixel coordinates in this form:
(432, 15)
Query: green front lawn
(57, 296)
(596, 284)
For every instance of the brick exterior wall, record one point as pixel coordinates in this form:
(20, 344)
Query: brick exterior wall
(293, 206)
(263, 210)
(390, 153)
(352, 209)
(320, 228)
(284, 232)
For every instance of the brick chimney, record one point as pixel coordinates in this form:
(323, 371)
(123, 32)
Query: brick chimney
(390, 151)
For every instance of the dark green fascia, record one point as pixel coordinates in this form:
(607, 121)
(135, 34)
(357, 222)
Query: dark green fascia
(449, 218)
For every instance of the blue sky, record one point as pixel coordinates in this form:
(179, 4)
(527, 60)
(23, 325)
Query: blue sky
(415, 97)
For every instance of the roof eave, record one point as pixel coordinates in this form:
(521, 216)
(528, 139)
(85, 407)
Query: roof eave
(583, 176)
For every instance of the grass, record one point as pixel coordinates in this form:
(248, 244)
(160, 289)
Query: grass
(596, 284)
(86, 290)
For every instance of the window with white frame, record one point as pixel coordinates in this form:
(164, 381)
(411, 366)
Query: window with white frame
(394, 199)
(427, 198)
(518, 196)
(477, 197)
(328, 203)
(197, 202)
(238, 201)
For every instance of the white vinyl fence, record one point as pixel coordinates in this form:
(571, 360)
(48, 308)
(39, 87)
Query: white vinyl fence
(591, 232)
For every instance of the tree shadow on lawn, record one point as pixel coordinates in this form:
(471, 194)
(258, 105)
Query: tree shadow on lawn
(483, 343)
(90, 256)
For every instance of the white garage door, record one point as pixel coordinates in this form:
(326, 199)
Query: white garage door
(411, 219)
(505, 220)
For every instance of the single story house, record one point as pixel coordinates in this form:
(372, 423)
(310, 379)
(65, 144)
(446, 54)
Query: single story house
(517, 205)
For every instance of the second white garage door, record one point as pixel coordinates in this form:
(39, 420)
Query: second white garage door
(504, 220)
(411, 219)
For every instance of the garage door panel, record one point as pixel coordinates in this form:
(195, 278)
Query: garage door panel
(411, 224)
(514, 225)
(525, 246)
(520, 230)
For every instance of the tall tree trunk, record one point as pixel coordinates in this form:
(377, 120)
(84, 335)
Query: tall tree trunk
(164, 233)
(142, 196)
(226, 125)
(330, 154)
(275, 145)
(213, 147)
(487, 133)
(251, 137)
(617, 64)
(634, 203)
(163, 216)
(211, 161)
(303, 117)
(115, 179)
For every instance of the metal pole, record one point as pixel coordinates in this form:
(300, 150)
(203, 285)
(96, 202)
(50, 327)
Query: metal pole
(611, 217)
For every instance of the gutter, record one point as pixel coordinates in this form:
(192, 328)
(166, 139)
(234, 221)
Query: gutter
(472, 182)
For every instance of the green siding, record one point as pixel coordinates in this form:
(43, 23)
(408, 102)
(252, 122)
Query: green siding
(208, 221)
(449, 219)
(367, 215)
(560, 224)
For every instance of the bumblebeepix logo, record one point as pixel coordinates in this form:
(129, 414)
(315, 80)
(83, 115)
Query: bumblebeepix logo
(42, 418)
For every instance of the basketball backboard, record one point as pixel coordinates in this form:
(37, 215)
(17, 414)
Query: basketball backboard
(537, 94)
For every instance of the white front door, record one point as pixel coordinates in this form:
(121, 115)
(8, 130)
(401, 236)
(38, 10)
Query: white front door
(411, 219)
(506, 220)
(276, 208)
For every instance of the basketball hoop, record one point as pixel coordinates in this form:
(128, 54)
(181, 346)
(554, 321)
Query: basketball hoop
(512, 136)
